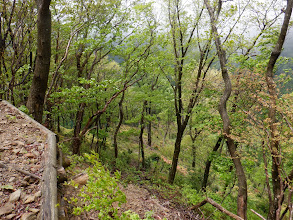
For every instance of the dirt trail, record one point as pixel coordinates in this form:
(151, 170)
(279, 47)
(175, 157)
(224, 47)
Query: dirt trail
(141, 200)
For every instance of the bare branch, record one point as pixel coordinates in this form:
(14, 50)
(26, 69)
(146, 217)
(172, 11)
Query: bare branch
(257, 214)
(218, 206)
(20, 170)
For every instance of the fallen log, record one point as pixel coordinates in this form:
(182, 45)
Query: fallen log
(218, 206)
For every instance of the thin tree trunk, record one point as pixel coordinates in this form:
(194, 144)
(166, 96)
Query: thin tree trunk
(193, 138)
(149, 125)
(176, 153)
(108, 120)
(167, 129)
(275, 207)
(97, 145)
(58, 122)
(92, 141)
(121, 116)
(77, 139)
(38, 89)
(193, 155)
(77, 128)
(181, 44)
(142, 126)
(208, 164)
(3, 38)
(49, 120)
(242, 184)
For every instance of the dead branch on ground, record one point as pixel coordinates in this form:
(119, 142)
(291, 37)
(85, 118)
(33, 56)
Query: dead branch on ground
(218, 206)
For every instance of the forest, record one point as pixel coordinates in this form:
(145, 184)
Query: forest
(190, 97)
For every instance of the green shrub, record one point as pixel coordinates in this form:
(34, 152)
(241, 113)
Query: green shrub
(129, 215)
(100, 192)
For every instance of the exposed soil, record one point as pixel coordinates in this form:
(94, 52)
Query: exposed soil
(141, 200)
(21, 150)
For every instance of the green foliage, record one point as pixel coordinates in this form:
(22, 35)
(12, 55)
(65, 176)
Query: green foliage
(24, 109)
(223, 165)
(195, 179)
(130, 132)
(116, 42)
(194, 196)
(100, 192)
(8, 187)
(129, 215)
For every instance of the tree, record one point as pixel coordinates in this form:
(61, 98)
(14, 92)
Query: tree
(121, 117)
(275, 207)
(38, 89)
(17, 37)
(242, 184)
(113, 35)
(178, 63)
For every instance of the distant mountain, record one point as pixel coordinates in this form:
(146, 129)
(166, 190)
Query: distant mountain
(288, 46)
(287, 52)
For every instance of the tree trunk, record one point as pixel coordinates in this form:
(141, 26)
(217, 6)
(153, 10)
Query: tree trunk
(121, 115)
(77, 128)
(97, 146)
(49, 121)
(142, 125)
(242, 184)
(77, 139)
(167, 129)
(193, 138)
(193, 155)
(208, 164)
(275, 207)
(108, 120)
(58, 122)
(149, 126)
(176, 153)
(38, 89)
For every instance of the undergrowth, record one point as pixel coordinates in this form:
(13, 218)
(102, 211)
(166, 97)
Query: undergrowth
(101, 192)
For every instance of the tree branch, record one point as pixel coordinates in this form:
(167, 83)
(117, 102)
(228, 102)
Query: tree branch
(20, 170)
(258, 214)
(218, 206)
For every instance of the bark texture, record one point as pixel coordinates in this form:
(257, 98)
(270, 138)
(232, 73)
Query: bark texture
(208, 165)
(176, 153)
(142, 126)
(149, 125)
(181, 44)
(121, 116)
(242, 184)
(276, 205)
(38, 89)
(77, 139)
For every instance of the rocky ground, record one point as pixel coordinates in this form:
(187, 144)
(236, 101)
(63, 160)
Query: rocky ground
(21, 150)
